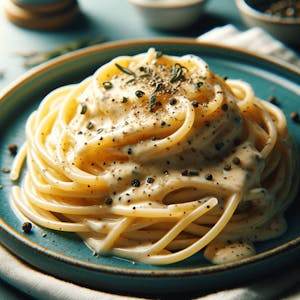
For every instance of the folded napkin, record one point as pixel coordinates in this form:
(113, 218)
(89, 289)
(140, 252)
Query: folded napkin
(43, 286)
(46, 287)
(254, 39)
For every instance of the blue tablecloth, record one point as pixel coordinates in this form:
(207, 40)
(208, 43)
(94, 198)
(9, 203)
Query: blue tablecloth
(113, 19)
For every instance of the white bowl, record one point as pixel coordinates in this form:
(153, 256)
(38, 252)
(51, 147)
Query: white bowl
(286, 29)
(169, 14)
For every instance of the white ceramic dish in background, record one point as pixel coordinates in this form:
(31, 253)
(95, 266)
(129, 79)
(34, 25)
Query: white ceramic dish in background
(169, 14)
(286, 29)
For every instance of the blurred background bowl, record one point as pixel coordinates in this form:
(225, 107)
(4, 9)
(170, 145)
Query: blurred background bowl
(278, 17)
(169, 15)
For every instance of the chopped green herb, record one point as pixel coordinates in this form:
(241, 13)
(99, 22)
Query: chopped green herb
(83, 108)
(99, 130)
(130, 80)
(190, 173)
(90, 125)
(152, 102)
(177, 72)
(107, 85)
(145, 75)
(125, 70)
(34, 58)
(198, 84)
(124, 100)
(159, 54)
(139, 93)
(158, 87)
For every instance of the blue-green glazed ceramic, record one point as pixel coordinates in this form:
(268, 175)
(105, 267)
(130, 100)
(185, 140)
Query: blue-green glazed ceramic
(63, 254)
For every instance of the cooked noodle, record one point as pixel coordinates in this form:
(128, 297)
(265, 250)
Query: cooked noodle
(154, 158)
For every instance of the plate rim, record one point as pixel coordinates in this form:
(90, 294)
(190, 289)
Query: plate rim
(52, 63)
(178, 272)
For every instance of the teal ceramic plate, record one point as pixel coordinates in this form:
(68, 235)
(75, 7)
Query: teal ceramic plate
(64, 255)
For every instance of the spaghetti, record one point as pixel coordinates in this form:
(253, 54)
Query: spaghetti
(154, 158)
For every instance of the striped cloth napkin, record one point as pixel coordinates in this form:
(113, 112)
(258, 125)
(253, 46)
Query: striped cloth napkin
(254, 39)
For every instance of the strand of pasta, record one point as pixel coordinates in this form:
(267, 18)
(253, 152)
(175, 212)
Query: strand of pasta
(43, 217)
(67, 186)
(186, 252)
(18, 163)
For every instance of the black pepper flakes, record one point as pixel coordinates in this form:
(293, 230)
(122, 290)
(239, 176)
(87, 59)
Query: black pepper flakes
(219, 146)
(158, 87)
(135, 183)
(108, 201)
(195, 104)
(150, 180)
(5, 170)
(236, 160)
(129, 151)
(172, 101)
(209, 177)
(12, 148)
(295, 117)
(224, 107)
(236, 141)
(273, 100)
(26, 227)
(227, 167)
